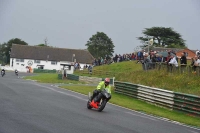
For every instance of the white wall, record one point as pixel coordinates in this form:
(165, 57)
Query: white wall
(21, 66)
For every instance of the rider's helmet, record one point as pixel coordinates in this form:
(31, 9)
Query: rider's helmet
(107, 81)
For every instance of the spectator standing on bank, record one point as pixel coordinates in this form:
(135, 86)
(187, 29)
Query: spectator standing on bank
(183, 59)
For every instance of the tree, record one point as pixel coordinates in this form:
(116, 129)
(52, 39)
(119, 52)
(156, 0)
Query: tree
(6, 47)
(162, 36)
(100, 45)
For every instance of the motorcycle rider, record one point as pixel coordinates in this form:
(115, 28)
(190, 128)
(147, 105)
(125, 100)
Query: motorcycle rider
(102, 85)
(3, 71)
(16, 72)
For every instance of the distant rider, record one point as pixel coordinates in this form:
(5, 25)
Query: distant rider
(3, 71)
(102, 85)
(16, 72)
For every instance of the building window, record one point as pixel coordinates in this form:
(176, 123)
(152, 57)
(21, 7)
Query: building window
(53, 63)
(19, 60)
(37, 61)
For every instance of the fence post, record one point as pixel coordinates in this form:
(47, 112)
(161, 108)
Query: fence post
(113, 81)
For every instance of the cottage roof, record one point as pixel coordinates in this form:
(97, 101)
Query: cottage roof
(50, 53)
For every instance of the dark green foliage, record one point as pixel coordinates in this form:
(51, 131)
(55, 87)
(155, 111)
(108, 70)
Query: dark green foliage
(100, 45)
(5, 48)
(162, 36)
(41, 45)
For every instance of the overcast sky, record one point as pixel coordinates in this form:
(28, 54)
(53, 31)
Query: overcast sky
(70, 23)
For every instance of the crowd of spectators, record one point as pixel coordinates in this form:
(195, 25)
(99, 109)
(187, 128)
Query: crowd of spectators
(148, 59)
(195, 61)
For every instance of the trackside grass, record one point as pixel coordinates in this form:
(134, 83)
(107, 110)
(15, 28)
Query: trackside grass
(141, 106)
(129, 71)
(51, 78)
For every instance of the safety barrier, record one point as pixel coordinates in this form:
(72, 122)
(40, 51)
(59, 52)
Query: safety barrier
(126, 89)
(94, 80)
(189, 104)
(44, 71)
(157, 96)
(72, 77)
(90, 79)
(60, 76)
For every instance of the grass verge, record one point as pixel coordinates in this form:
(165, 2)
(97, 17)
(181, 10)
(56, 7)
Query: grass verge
(141, 106)
(130, 71)
(51, 78)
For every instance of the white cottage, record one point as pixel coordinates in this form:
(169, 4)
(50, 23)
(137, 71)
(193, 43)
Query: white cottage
(49, 58)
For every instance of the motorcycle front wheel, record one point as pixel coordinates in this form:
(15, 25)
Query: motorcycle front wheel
(88, 105)
(102, 106)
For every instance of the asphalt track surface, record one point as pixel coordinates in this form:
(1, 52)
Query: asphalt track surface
(31, 107)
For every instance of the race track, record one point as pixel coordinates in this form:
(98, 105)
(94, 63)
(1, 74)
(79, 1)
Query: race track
(30, 107)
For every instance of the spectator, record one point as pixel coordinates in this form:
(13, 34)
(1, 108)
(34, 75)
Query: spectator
(146, 63)
(183, 62)
(144, 53)
(158, 58)
(153, 59)
(173, 61)
(99, 61)
(197, 61)
(192, 63)
(90, 69)
(197, 53)
(168, 57)
(102, 61)
(133, 56)
(139, 55)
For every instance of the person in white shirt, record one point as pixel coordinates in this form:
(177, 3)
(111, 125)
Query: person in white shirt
(197, 61)
(144, 53)
(173, 61)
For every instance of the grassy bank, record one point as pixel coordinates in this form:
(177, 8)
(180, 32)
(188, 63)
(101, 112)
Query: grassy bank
(141, 106)
(129, 71)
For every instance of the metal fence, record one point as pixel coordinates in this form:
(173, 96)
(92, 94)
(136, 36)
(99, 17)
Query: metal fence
(187, 69)
(72, 77)
(187, 103)
(43, 71)
(95, 72)
(94, 80)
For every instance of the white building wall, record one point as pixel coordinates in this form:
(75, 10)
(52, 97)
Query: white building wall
(21, 66)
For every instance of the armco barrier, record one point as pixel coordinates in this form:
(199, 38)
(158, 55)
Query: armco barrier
(44, 71)
(126, 89)
(94, 80)
(157, 96)
(60, 76)
(187, 103)
(89, 79)
(173, 100)
(72, 77)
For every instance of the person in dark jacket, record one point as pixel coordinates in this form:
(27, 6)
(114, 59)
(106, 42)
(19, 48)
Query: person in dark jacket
(183, 62)
(183, 59)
